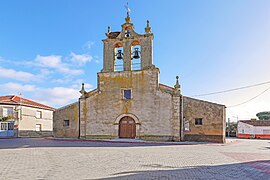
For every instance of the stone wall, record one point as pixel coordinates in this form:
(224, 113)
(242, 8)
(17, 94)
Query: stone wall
(213, 121)
(157, 112)
(70, 113)
(35, 134)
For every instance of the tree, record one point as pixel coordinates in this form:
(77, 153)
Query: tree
(3, 119)
(265, 115)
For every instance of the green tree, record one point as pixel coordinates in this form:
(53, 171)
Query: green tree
(265, 115)
(5, 118)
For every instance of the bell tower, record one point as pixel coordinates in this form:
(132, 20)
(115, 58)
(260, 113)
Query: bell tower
(127, 50)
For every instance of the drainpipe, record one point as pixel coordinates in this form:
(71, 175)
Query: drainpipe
(181, 118)
(79, 104)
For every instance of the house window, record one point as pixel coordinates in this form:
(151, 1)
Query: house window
(38, 114)
(38, 127)
(198, 121)
(66, 123)
(7, 112)
(127, 94)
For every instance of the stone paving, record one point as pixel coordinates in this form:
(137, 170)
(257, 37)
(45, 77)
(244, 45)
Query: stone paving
(56, 159)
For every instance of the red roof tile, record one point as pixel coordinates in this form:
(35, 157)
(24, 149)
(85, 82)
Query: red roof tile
(166, 86)
(19, 100)
(256, 122)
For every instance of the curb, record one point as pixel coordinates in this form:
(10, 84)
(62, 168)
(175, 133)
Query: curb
(125, 142)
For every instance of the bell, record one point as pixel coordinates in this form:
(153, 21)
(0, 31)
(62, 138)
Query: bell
(136, 53)
(127, 33)
(119, 54)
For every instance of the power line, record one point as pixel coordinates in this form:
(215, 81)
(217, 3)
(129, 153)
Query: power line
(250, 99)
(230, 90)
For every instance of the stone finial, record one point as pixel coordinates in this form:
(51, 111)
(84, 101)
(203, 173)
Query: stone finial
(127, 19)
(108, 32)
(148, 28)
(83, 92)
(177, 85)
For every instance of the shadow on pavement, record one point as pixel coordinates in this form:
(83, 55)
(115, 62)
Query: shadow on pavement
(41, 142)
(248, 170)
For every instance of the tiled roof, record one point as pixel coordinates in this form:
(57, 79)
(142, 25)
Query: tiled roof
(163, 85)
(12, 99)
(113, 35)
(256, 122)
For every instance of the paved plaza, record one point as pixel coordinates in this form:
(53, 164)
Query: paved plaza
(57, 159)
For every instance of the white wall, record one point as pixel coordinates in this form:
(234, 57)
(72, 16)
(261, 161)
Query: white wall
(262, 129)
(244, 128)
(28, 119)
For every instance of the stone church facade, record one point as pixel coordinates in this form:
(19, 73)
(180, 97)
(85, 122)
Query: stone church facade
(131, 103)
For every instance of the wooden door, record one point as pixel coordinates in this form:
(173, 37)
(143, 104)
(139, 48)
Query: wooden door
(127, 128)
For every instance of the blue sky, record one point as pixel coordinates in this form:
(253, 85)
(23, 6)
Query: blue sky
(48, 48)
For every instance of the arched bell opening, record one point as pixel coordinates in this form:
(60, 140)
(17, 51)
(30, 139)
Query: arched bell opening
(118, 60)
(136, 55)
(127, 31)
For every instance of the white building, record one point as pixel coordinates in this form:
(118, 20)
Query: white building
(259, 129)
(30, 118)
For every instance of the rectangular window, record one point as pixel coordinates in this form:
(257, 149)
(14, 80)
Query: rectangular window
(3, 126)
(7, 112)
(38, 114)
(66, 122)
(127, 94)
(198, 121)
(38, 127)
(10, 126)
(266, 131)
(186, 126)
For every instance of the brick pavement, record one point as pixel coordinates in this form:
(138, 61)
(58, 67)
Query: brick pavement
(48, 159)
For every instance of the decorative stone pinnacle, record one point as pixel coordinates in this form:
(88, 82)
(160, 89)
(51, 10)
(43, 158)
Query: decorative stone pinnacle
(148, 28)
(83, 92)
(177, 85)
(127, 19)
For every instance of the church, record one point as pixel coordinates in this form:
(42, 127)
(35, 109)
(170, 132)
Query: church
(130, 102)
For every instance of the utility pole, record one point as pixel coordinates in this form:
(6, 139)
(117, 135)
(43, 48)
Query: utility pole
(229, 127)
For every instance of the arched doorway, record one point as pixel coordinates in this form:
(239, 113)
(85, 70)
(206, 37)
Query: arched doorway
(127, 127)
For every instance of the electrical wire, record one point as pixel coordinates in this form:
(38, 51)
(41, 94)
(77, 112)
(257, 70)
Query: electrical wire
(249, 99)
(230, 90)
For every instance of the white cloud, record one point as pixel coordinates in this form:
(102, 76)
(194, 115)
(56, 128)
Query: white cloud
(88, 45)
(57, 96)
(80, 59)
(78, 84)
(55, 62)
(17, 75)
(16, 88)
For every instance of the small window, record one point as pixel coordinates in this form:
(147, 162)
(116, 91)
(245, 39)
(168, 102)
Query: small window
(7, 112)
(10, 126)
(127, 94)
(198, 121)
(66, 123)
(3, 126)
(38, 127)
(186, 126)
(38, 114)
